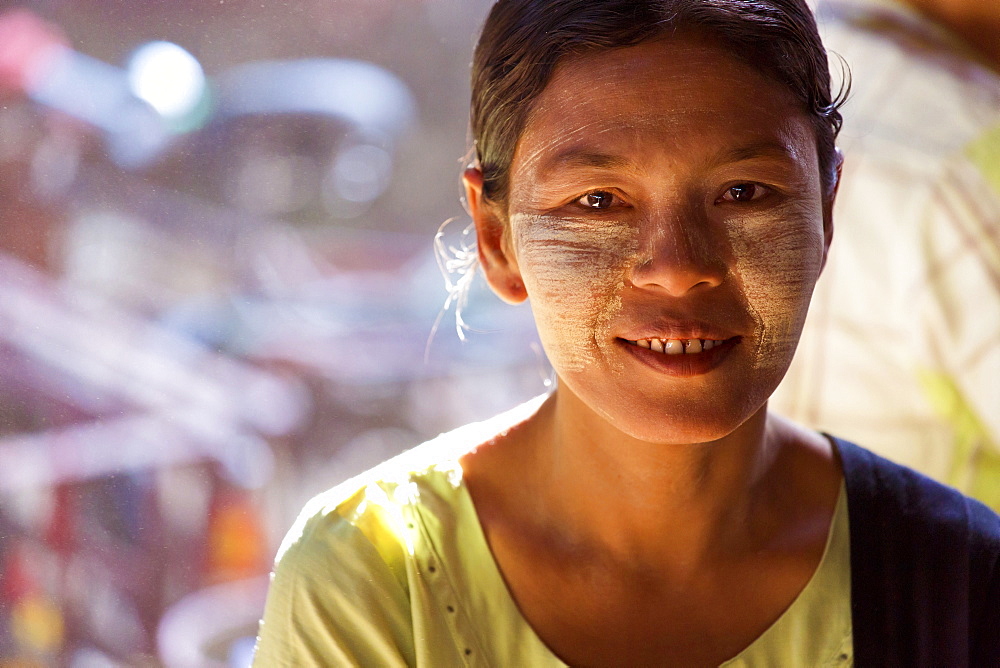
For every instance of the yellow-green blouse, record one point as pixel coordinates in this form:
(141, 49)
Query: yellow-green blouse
(392, 569)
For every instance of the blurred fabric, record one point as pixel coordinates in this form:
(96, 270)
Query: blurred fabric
(219, 296)
(901, 350)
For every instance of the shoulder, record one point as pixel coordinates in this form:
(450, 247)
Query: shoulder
(878, 486)
(378, 500)
(347, 583)
(925, 566)
(340, 589)
(376, 504)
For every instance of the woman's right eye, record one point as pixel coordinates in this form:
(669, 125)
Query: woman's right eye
(598, 199)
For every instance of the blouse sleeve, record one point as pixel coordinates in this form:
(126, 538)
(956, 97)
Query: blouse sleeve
(334, 600)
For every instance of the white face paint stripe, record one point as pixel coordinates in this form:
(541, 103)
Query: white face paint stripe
(576, 268)
(772, 263)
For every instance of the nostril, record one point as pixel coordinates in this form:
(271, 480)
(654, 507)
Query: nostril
(674, 276)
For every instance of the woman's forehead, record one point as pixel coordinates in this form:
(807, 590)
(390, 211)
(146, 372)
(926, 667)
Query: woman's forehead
(673, 95)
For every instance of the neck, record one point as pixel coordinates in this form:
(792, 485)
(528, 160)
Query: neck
(976, 22)
(621, 495)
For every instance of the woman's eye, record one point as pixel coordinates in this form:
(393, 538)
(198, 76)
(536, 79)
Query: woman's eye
(744, 192)
(598, 199)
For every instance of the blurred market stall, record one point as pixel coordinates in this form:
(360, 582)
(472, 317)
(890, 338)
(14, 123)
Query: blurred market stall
(219, 296)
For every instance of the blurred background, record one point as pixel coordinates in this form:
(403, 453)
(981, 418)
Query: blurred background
(218, 288)
(232, 250)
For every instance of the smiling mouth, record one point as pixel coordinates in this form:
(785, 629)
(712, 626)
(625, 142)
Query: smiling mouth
(678, 346)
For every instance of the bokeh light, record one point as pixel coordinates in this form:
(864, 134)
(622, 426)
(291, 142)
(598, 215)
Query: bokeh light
(167, 77)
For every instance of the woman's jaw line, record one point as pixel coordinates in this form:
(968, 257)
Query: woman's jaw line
(603, 426)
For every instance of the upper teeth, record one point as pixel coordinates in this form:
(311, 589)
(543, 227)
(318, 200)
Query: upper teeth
(678, 346)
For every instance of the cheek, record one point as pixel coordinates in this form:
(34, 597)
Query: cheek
(574, 272)
(777, 261)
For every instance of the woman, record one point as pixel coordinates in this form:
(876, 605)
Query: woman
(658, 178)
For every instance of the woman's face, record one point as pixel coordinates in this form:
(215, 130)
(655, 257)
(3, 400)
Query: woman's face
(666, 219)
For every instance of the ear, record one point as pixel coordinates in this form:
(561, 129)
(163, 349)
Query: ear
(495, 255)
(829, 198)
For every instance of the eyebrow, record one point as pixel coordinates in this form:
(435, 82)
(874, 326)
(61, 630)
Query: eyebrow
(582, 157)
(767, 148)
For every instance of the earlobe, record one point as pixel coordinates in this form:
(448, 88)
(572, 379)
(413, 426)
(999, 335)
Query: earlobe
(496, 258)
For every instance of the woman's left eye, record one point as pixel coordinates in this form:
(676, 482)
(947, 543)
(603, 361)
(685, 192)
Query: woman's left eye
(598, 199)
(744, 192)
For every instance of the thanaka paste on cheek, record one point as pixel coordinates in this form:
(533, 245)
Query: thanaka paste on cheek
(574, 272)
(778, 257)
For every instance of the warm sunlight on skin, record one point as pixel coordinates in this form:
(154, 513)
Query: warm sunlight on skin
(666, 220)
(650, 201)
(656, 180)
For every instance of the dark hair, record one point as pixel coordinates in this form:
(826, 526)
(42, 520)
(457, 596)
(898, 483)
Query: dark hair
(523, 41)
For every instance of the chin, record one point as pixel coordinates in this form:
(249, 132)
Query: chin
(673, 428)
(669, 418)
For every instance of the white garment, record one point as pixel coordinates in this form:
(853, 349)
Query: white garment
(901, 350)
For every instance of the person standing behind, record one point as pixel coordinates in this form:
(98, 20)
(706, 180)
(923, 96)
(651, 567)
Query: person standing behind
(902, 347)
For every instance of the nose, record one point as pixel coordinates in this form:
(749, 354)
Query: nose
(678, 254)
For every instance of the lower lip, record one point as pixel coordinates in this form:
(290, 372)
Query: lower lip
(683, 365)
